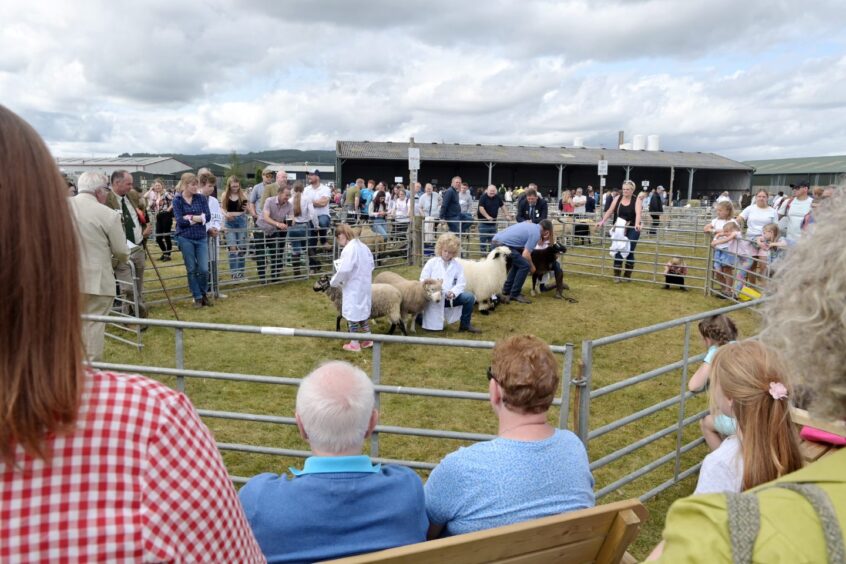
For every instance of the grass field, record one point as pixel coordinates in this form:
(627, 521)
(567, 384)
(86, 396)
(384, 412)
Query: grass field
(603, 309)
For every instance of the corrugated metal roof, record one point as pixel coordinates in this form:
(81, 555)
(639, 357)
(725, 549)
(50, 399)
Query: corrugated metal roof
(117, 161)
(534, 155)
(806, 165)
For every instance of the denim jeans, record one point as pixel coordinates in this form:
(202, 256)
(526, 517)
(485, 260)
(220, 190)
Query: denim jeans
(486, 232)
(195, 254)
(380, 226)
(259, 252)
(466, 301)
(236, 239)
(517, 275)
(324, 221)
(454, 226)
(298, 237)
(632, 235)
(466, 222)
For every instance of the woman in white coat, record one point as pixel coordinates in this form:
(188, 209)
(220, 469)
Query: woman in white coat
(354, 270)
(443, 267)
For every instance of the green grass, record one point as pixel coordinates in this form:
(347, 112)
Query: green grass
(603, 309)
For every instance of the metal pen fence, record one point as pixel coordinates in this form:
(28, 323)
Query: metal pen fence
(588, 400)
(183, 375)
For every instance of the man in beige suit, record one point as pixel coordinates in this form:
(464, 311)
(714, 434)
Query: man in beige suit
(102, 245)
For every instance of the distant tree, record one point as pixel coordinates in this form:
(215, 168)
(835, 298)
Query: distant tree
(235, 165)
(124, 156)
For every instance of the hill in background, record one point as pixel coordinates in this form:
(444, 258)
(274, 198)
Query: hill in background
(276, 156)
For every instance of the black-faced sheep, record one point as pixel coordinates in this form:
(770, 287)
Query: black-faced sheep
(415, 294)
(544, 261)
(385, 301)
(486, 277)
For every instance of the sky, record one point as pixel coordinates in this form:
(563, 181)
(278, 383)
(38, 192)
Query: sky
(745, 79)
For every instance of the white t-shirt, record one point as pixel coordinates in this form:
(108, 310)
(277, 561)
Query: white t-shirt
(722, 470)
(756, 218)
(314, 194)
(579, 203)
(795, 215)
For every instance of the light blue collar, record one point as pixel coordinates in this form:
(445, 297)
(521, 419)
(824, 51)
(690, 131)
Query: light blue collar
(336, 464)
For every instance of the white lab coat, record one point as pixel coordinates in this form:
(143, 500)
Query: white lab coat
(353, 274)
(452, 275)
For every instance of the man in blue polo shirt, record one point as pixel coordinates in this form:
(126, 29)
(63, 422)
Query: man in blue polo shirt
(340, 503)
(521, 238)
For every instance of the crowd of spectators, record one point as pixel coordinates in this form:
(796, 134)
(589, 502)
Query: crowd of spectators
(161, 491)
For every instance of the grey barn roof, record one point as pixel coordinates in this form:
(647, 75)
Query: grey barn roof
(535, 155)
(805, 165)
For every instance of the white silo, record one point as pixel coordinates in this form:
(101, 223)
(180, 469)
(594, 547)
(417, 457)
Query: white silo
(639, 142)
(579, 142)
(653, 143)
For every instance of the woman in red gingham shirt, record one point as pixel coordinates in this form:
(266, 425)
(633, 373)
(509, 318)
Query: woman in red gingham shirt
(94, 466)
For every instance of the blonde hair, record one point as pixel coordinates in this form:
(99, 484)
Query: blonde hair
(298, 198)
(448, 242)
(346, 231)
(527, 371)
(725, 206)
(731, 226)
(772, 228)
(745, 372)
(184, 180)
(677, 261)
(805, 319)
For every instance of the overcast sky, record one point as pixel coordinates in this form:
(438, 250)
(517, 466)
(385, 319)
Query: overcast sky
(747, 79)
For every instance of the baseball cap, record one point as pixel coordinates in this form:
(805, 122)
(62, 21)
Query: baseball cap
(801, 184)
(314, 171)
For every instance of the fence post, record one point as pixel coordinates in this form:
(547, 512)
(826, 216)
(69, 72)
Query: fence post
(584, 396)
(564, 411)
(709, 270)
(376, 377)
(682, 391)
(657, 247)
(180, 359)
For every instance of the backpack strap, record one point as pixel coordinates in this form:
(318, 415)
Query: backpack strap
(744, 521)
(786, 208)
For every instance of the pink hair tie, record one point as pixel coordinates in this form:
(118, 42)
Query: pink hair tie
(778, 390)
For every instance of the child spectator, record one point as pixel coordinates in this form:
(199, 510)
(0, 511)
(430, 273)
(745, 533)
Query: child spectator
(716, 331)
(674, 272)
(771, 246)
(724, 258)
(749, 384)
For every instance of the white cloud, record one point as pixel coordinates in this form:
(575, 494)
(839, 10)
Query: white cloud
(742, 79)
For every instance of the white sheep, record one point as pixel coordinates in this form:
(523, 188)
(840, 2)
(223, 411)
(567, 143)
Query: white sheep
(374, 241)
(415, 294)
(385, 301)
(486, 277)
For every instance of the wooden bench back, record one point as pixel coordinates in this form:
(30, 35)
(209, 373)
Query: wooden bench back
(600, 534)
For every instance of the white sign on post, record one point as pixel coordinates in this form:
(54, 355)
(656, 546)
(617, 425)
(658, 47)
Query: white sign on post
(398, 179)
(645, 184)
(413, 158)
(602, 182)
(602, 168)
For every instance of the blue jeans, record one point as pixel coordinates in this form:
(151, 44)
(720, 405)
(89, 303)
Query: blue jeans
(632, 235)
(236, 240)
(466, 222)
(324, 221)
(380, 226)
(454, 225)
(486, 232)
(517, 275)
(195, 254)
(298, 237)
(466, 301)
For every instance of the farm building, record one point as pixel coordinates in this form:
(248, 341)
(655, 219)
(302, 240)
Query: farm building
(686, 175)
(779, 174)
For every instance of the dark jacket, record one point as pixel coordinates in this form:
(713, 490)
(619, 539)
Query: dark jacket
(450, 207)
(655, 203)
(540, 212)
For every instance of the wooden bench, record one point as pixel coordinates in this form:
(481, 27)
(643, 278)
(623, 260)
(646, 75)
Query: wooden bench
(600, 534)
(812, 451)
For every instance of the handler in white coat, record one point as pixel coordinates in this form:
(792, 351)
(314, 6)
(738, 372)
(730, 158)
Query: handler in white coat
(443, 267)
(354, 270)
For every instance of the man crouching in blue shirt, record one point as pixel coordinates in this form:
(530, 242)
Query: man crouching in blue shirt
(339, 504)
